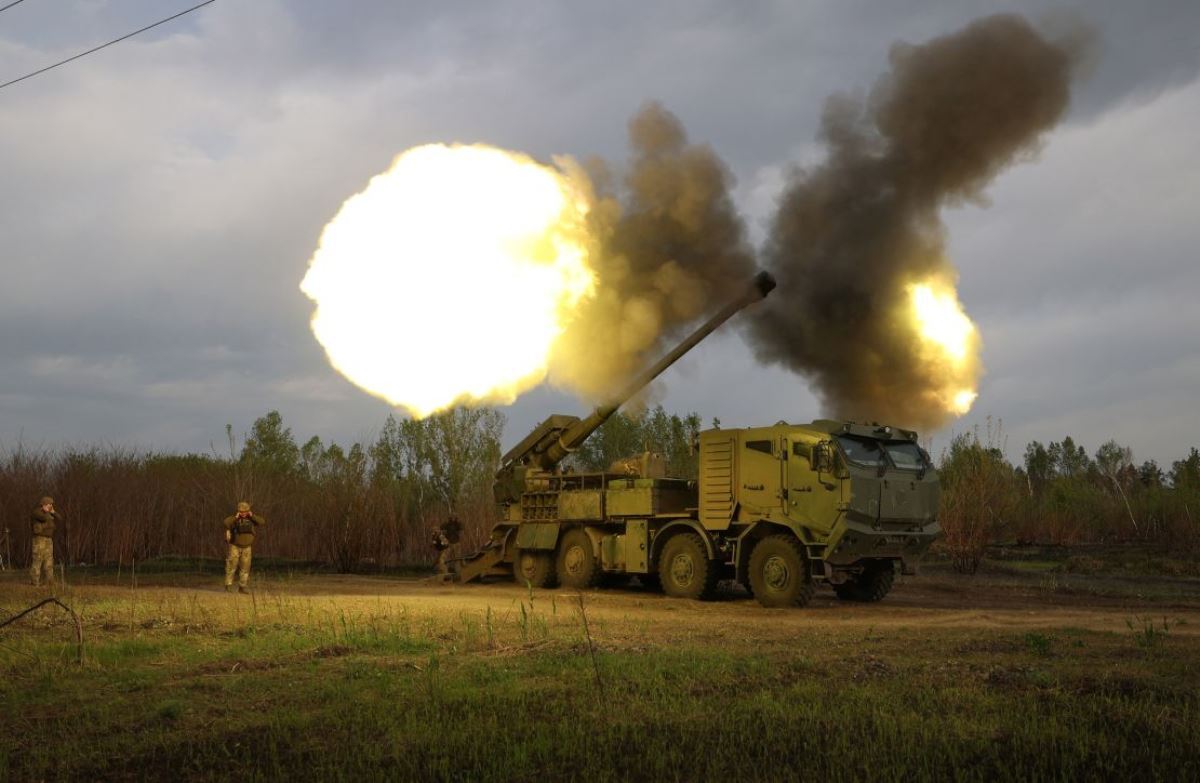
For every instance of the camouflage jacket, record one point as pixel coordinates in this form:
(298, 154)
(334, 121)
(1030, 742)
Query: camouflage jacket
(242, 530)
(43, 523)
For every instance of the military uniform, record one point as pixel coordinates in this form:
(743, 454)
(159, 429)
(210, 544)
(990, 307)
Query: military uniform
(240, 530)
(442, 539)
(441, 544)
(43, 543)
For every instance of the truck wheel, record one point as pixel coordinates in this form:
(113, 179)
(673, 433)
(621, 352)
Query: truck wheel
(684, 568)
(779, 573)
(871, 585)
(533, 567)
(577, 566)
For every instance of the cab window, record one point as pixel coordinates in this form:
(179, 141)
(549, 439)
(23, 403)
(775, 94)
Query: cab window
(760, 445)
(906, 455)
(862, 451)
(802, 450)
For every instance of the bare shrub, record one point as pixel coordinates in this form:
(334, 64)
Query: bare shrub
(978, 494)
(350, 508)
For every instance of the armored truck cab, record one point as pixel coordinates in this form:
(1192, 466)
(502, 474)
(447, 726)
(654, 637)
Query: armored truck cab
(778, 508)
(843, 503)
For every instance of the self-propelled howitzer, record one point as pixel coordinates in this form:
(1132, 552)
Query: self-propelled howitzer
(777, 508)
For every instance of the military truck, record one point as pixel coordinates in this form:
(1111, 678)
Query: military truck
(779, 509)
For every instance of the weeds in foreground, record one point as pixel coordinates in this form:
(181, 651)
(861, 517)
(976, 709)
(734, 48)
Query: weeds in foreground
(1148, 635)
(362, 689)
(591, 645)
(1039, 643)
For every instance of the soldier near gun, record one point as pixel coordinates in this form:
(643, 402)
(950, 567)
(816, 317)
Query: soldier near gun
(445, 536)
(240, 530)
(44, 519)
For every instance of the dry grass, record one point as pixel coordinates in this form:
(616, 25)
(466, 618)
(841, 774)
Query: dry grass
(336, 677)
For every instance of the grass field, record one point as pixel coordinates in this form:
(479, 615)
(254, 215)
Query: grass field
(1031, 670)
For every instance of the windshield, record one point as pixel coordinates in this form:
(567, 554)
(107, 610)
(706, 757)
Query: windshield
(861, 451)
(906, 455)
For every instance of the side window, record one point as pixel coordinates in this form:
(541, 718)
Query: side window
(803, 451)
(760, 445)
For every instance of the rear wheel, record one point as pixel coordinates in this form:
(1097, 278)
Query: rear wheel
(684, 568)
(577, 566)
(779, 573)
(871, 585)
(535, 568)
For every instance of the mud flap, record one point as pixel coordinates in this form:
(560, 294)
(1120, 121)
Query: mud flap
(538, 535)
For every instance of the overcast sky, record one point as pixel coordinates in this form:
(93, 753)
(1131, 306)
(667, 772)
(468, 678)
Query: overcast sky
(161, 198)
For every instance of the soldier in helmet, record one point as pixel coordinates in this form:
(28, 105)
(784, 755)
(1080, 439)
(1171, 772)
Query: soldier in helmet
(445, 536)
(240, 530)
(44, 519)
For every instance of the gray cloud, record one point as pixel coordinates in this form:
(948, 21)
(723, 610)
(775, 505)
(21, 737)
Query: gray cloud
(161, 198)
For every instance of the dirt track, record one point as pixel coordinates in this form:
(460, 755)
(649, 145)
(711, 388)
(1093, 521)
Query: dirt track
(911, 606)
(943, 601)
(917, 602)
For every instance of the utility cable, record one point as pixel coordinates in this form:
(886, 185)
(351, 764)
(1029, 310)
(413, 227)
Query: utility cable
(10, 5)
(102, 46)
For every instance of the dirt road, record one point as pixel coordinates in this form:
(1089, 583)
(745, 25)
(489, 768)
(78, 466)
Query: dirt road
(941, 601)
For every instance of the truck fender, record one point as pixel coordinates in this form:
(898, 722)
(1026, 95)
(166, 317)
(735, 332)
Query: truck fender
(537, 535)
(670, 528)
(761, 529)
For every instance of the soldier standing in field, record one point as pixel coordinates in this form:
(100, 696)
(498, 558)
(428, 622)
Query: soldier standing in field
(445, 536)
(240, 530)
(44, 518)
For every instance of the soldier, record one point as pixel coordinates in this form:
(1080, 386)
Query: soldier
(44, 519)
(240, 530)
(443, 538)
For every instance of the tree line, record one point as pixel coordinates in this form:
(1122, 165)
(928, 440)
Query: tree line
(1059, 494)
(366, 505)
(373, 504)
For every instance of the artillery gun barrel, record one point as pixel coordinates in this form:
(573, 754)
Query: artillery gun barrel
(571, 438)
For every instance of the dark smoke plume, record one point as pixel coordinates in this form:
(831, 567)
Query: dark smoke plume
(853, 232)
(672, 248)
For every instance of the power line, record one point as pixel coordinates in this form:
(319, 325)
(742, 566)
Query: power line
(10, 5)
(102, 46)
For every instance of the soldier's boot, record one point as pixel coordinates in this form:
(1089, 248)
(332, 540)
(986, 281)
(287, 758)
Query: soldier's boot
(242, 589)
(229, 588)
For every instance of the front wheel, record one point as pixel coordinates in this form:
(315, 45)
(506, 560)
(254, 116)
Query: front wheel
(684, 568)
(779, 573)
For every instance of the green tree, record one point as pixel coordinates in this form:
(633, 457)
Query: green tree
(1068, 459)
(1185, 473)
(461, 448)
(1039, 468)
(622, 435)
(626, 434)
(1115, 463)
(1150, 474)
(270, 446)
